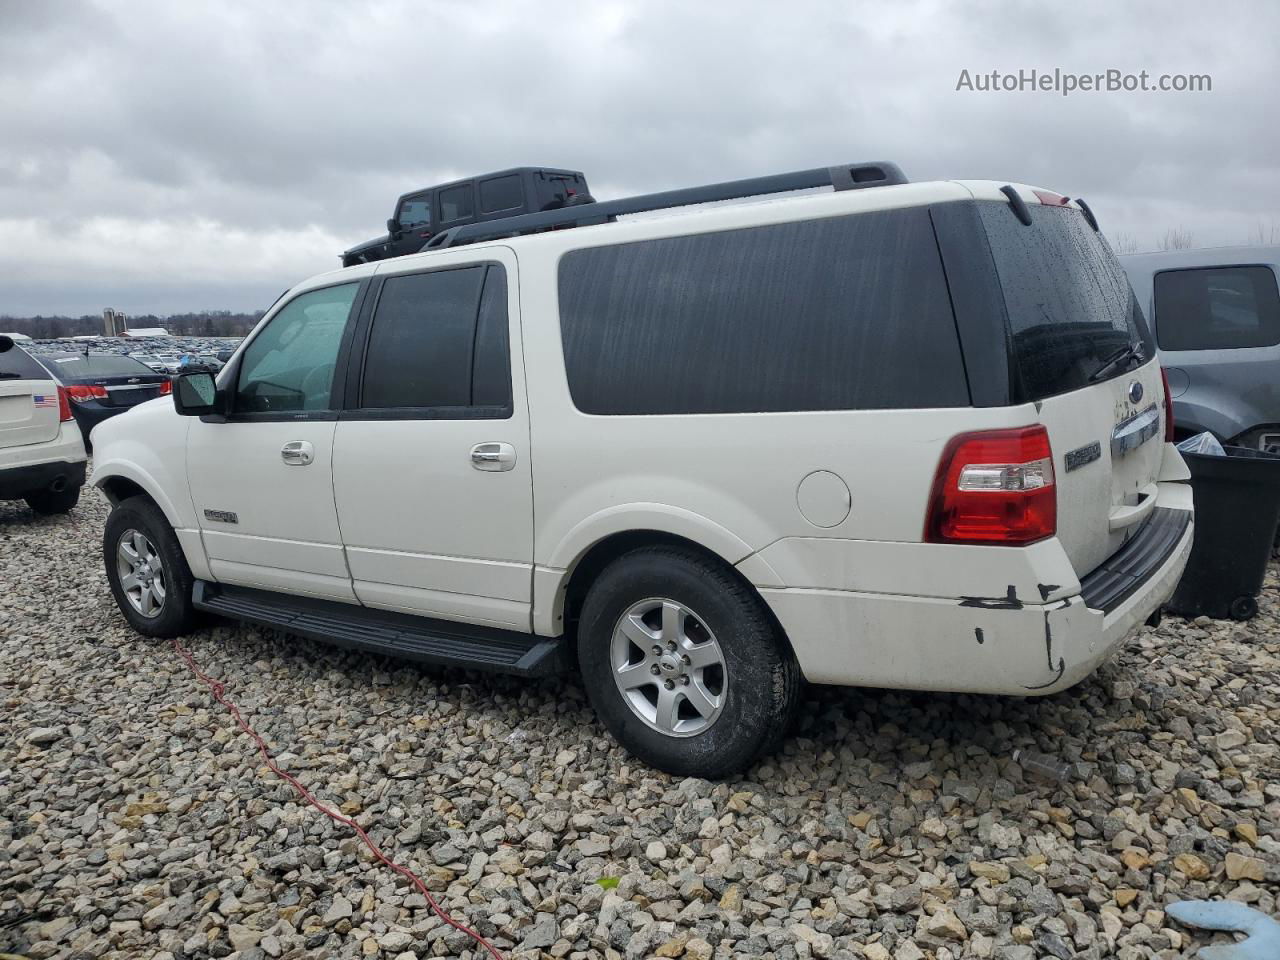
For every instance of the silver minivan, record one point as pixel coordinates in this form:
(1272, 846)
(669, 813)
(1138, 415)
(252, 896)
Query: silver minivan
(1216, 317)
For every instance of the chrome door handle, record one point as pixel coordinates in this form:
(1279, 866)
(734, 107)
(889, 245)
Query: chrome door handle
(297, 453)
(493, 456)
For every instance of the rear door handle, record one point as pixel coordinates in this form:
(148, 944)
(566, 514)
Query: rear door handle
(493, 456)
(298, 453)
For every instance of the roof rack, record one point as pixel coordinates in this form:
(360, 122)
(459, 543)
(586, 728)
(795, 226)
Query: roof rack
(879, 173)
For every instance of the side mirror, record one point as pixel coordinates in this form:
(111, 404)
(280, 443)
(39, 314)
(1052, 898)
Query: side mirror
(196, 394)
(393, 228)
(6, 343)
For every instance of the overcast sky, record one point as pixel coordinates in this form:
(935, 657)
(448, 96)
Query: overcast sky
(173, 156)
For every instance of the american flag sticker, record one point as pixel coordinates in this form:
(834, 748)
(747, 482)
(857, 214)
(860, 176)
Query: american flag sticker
(43, 400)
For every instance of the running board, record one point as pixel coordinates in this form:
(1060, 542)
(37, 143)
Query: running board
(440, 642)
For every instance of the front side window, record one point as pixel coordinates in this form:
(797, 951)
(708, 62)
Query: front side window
(455, 203)
(288, 367)
(415, 212)
(439, 340)
(1217, 308)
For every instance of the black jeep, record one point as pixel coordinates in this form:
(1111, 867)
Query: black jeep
(494, 196)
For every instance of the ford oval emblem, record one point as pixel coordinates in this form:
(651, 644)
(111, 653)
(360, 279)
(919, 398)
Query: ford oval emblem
(1135, 392)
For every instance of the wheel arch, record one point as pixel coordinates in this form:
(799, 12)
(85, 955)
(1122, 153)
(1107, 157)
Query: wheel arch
(592, 562)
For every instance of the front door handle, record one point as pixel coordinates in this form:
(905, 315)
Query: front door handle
(493, 456)
(297, 453)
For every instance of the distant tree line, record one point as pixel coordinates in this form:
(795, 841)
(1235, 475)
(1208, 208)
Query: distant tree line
(208, 323)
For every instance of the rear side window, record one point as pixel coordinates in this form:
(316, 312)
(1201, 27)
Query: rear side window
(836, 314)
(17, 364)
(1069, 302)
(501, 193)
(439, 340)
(1217, 308)
(456, 203)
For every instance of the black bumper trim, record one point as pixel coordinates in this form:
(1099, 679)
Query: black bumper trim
(18, 482)
(1121, 574)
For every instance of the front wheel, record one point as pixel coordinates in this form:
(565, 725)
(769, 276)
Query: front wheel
(148, 573)
(684, 664)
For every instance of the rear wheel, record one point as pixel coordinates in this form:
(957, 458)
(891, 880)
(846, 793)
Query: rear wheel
(684, 664)
(50, 502)
(148, 573)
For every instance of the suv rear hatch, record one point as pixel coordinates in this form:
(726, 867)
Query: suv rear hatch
(29, 407)
(1080, 350)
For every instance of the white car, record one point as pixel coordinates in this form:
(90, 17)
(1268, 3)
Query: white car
(911, 436)
(42, 458)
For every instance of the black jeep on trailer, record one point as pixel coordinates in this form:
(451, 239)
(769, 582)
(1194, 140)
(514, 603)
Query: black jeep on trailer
(494, 196)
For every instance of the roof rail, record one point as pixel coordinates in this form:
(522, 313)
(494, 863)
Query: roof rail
(854, 176)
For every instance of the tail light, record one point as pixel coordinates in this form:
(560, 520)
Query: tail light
(83, 394)
(1168, 407)
(166, 388)
(64, 405)
(994, 487)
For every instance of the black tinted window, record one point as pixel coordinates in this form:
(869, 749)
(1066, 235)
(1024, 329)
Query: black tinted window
(423, 342)
(491, 366)
(1069, 302)
(455, 203)
(78, 366)
(838, 314)
(1217, 308)
(500, 193)
(16, 364)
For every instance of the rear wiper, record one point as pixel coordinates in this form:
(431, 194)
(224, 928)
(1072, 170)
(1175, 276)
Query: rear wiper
(1130, 351)
(10, 376)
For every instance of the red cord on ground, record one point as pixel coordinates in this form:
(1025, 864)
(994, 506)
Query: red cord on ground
(218, 689)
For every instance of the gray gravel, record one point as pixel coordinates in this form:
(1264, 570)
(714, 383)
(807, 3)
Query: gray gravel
(136, 822)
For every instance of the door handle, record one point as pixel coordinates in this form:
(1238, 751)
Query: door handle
(493, 456)
(297, 453)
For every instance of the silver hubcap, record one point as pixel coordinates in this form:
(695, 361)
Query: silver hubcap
(669, 667)
(141, 573)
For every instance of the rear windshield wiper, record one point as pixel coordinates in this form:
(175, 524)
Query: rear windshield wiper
(1130, 351)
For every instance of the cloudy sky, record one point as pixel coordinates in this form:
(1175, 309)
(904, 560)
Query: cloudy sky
(165, 157)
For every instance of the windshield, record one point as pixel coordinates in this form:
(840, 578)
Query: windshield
(80, 367)
(1069, 302)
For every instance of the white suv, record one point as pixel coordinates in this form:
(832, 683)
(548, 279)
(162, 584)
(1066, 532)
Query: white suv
(910, 436)
(41, 452)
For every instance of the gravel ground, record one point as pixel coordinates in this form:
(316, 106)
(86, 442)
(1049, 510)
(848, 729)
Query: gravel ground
(135, 821)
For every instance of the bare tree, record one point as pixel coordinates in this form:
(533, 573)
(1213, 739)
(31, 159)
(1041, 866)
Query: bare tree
(1125, 243)
(1176, 238)
(1264, 236)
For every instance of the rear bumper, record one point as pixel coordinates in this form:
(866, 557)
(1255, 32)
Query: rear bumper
(34, 467)
(18, 482)
(976, 646)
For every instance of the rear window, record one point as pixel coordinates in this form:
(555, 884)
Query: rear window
(17, 364)
(102, 365)
(837, 314)
(1069, 302)
(1217, 308)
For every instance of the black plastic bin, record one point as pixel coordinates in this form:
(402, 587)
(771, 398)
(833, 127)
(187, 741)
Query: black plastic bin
(1237, 499)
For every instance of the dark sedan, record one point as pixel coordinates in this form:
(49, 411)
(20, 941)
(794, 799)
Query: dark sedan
(100, 385)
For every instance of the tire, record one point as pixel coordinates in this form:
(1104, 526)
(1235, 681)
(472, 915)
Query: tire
(755, 688)
(1243, 608)
(164, 563)
(47, 503)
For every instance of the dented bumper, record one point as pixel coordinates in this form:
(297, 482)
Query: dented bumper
(999, 645)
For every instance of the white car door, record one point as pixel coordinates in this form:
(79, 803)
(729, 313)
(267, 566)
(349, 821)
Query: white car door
(261, 478)
(431, 462)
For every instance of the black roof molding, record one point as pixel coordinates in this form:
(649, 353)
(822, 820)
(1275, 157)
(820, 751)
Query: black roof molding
(853, 176)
